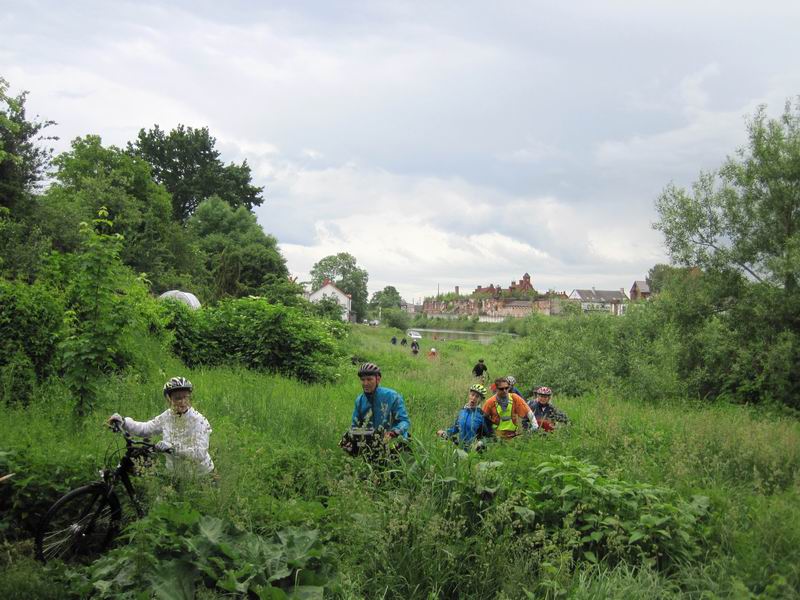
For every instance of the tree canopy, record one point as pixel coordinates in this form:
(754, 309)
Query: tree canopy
(388, 297)
(186, 161)
(343, 271)
(746, 215)
(23, 158)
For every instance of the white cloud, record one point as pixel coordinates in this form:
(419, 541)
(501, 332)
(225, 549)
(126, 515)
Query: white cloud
(441, 144)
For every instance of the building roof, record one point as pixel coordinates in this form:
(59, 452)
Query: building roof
(642, 286)
(520, 303)
(328, 282)
(600, 295)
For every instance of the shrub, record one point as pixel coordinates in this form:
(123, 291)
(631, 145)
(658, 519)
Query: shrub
(258, 335)
(30, 326)
(615, 520)
(109, 309)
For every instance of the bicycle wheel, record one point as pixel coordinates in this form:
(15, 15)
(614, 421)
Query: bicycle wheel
(80, 525)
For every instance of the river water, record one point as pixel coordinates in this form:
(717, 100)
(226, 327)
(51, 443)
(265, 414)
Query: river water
(484, 337)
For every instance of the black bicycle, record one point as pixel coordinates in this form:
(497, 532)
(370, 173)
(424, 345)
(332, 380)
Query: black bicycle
(82, 523)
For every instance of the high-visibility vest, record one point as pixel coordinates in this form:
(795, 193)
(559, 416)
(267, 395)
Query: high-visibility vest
(506, 419)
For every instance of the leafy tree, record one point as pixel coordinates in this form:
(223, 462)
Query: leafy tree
(186, 161)
(343, 271)
(23, 162)
(738, 311)
(745, 216)
(658, 275)
(395, 317)
(90, 176)
(328, 307)
(242, 259)
(388, 297)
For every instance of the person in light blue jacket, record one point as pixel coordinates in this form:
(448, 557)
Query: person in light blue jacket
(379, 408)
(471, 424)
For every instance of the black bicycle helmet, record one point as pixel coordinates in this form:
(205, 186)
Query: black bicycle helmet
(368, 369)
(177, 383)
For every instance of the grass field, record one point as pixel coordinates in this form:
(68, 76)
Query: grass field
(514, 522)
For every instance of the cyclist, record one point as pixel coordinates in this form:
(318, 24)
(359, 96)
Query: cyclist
(546, 414)
(379, 407)
(506, 410)
(480, 369)
(432, 354)
(394, 340)
(470, 424)
(184, 431)
(512, 381)
(403, 342)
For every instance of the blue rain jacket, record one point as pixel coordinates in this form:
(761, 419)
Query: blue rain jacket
(470, 424)
(383, 408)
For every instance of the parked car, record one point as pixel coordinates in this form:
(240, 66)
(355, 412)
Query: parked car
(374, 323)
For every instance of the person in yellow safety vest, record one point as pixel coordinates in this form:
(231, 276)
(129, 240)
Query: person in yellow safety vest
(507, 410)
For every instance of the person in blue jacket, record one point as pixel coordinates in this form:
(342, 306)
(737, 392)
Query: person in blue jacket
(379, 407)
(471, 424)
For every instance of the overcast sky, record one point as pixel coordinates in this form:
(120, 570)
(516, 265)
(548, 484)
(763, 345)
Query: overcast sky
(440, 143)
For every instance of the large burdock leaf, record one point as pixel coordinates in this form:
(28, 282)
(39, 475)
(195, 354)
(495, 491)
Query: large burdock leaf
(212, 529)
(174, 580)
(300, 545)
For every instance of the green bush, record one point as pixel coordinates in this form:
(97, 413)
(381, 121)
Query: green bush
(30, 325)
(394, 317)
(614, 520)
(258, 335)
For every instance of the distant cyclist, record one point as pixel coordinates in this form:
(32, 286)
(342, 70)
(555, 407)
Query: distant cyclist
(480, 369)
(471, 425)
(184, 431)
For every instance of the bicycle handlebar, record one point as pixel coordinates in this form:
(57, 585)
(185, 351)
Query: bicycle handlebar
(130, 442)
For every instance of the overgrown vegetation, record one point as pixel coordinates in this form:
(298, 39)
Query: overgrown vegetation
(657, 489)
(677, 497)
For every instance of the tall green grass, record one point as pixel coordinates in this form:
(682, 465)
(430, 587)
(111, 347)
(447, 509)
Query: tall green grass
(419, 530)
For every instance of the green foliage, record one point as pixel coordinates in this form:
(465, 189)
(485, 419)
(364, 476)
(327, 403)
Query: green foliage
(741, 226)
(328, 307)
(23, 163)
(395, 317)
(30, 328)
(749, 220)
(258, 335)
(242, 259)
(616, 520)
(178, 550)
(106, 304)
(345, 274)
(388, 297)
(434, 525)
(23, 247)
(91, 176)
(187, 163)
(657, 277)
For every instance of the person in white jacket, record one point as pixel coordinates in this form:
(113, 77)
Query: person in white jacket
(184, 431)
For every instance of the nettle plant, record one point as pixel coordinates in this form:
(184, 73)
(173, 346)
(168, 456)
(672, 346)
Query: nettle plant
(178, 550)
(612, 520)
